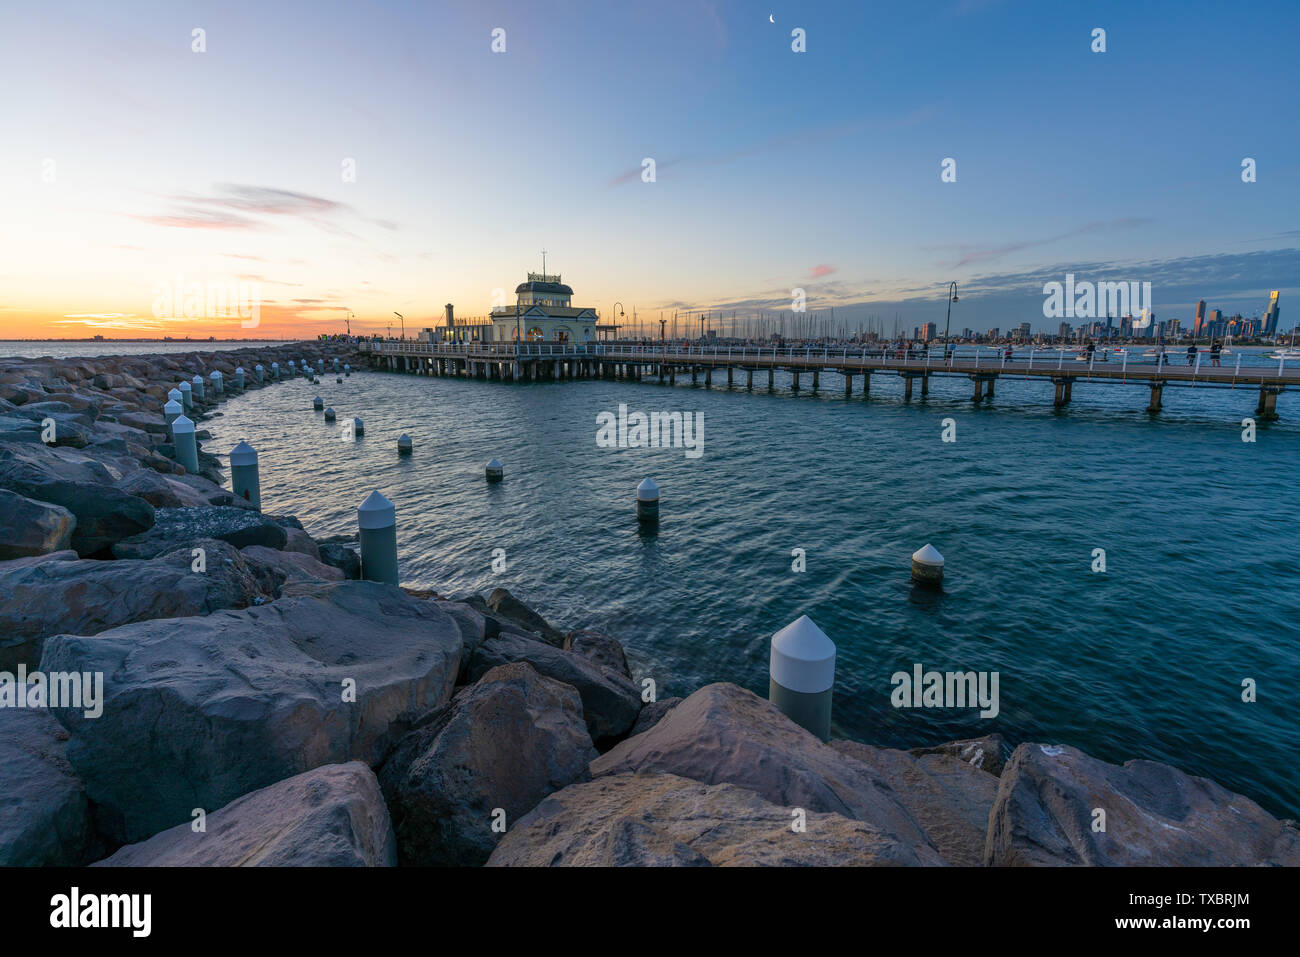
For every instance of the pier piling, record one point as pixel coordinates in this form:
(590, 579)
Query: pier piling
(243, 474)
(198, 387)
(927, 566)
(187, 447)
(377, 522)
(647, 501)
(801, 673)
(187, 400)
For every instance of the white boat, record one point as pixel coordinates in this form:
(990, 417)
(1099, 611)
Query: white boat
(1285, 354)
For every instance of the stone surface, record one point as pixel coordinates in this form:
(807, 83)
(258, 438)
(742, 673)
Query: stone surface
(297, 540)
(652, 713)
(295, 566)
(331, 816)
(44, 815)
(663, 820)
(989, 753)
(86, 597)
(341, 557)
(29, 527)
(723, 734)
(1156, 816)
(948, 797)
(198, 714)
(600, 648)
(177, 527)
(505, 605)
(610, 702)
(505, 742)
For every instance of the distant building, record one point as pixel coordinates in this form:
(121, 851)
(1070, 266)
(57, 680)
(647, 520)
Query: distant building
(927, 332)
(1063, 331)
(1198, 326)
(1270, 317)
(1022, 331)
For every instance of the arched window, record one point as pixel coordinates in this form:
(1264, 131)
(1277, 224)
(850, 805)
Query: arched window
(534, 334)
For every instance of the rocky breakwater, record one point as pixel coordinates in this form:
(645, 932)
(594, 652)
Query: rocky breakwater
(265, 707)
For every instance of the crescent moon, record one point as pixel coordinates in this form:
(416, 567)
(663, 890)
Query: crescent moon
(771, 19)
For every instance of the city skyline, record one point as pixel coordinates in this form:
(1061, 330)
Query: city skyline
(142, 162)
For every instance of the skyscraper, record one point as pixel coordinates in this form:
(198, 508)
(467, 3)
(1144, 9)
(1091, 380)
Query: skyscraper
(1270, 317)
(1199, 325)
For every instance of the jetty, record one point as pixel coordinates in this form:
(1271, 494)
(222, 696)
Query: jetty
(638, 361)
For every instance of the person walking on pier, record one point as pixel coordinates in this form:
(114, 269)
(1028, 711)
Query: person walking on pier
(1092, 347)
(1215, 348)
(1191, 354)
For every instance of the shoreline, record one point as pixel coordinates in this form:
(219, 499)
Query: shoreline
(227, 690)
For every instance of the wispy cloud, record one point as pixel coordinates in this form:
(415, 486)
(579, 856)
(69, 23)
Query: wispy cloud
(975, 253)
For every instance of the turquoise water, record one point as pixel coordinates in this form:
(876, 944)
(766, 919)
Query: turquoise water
(1145, 660)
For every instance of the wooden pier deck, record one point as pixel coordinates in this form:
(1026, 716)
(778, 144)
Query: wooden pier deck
(553, 361)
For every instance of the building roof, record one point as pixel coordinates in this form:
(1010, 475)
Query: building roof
(540, 311)
(556, 288)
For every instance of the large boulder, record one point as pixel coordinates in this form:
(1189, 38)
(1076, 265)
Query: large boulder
(331, 816)
(341, 557)
(599, 648)
(1155, 816)
(29, 527)
(80, 484)
(505, 605)
(989, 753)
(293, 565)
(723, 734)
(949, 798)
(503, 743)
(610, 702)
(177, 527)
(45, 818)
(199, 711)
(652, 713)
(87, 597)
(665, 820)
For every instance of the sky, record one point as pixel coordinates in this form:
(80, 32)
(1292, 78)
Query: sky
(319, 157)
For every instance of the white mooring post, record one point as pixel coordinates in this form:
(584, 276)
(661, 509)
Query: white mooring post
(172, 411)
(197, 382)
(259, 372)
(187, 400)
(218, 387)
(927, 566)
(404, 444)
(275, 371)
(239, 378)
(495, 471)
(329, 414)
(802, 675)
(377, 520)
(647, 501)
(243, 474)
(318, 403)
(187, 446)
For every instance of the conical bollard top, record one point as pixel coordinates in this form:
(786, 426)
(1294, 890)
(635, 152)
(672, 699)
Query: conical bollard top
(376, 512)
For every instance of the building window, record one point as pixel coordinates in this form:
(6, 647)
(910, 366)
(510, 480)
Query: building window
(534, 334)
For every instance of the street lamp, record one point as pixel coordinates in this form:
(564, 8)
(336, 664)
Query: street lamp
(952, 297)
(399, 316)
(616, 311)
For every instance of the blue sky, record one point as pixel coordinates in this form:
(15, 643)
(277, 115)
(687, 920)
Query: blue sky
(775, 169)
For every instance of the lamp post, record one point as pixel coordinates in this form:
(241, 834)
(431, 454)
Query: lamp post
(399, 316)
(517, 329)
(952, 297)
(615, 311)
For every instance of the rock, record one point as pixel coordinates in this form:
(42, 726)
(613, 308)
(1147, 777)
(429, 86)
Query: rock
(610, 702)
(295, 566)
(44, 815)
(723, 734)
(64, 555)
(331, 816)
(472, 625)
(599, 648)
(87, 597)
(948, 797)
(299, 541)
(159, 491)
(177, 527)
(29, 527)
(199, 714)
(651, 714)
(505, 742)
(663, 820)
(507, 606)
(1156, 816)
(988, 753)
(79, 484)
(341, 557)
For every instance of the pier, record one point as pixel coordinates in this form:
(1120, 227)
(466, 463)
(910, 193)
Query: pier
(555, 361)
